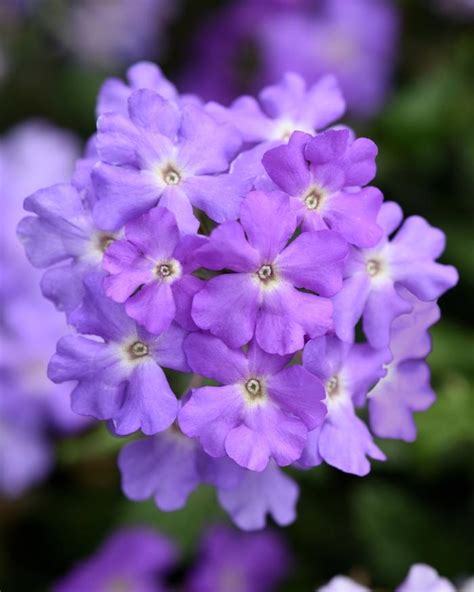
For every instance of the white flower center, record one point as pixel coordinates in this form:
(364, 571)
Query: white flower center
(374, 267)
(265, 273)
(138, 349)
(332, 386)
(171, 176)
(168, 270)
(253, 388)
(313, 199)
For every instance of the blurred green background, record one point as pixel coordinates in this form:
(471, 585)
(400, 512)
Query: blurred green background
(418, 506)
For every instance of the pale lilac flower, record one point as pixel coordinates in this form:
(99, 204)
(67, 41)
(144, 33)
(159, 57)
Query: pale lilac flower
(169, 466)
(258, 494)
(284, 108)
(135, 559)
(263, 410)
(235, 561)
(261, 297)
(325, 178)
(348, 372)
(406, 387)
(423, 578)
(119, 378)
(355, 41)
(150, 271)
(63, 237)
(373, 277)
(177, 156)
(342, 584)
(114, 93)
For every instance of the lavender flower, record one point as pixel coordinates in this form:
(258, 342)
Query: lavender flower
(151, 272)
(263, 411)
(342, 584)
(423, 577)
(178, 157)
(374, 275)
(243, 562)
(130, 559)
(406, 387)
(348, 371)
(169, 466)
(324, 177)
(119, 378)
(261, 297)
(284, 108)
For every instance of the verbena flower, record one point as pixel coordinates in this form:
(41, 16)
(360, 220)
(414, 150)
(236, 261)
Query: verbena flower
(151, 271)
(325, 177)
(405, 388)
(261, 298)
(263, 411)
(135, 558)
(348, 372)
(177, 156)
(227, 561)
(373, 276)
(119, 378)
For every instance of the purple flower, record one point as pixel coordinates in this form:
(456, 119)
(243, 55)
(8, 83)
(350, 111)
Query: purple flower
(406, 387)
(325, 176)
(373, 277)
(263, 411)
(257, 494)
(348, 371)
(164, 467)
(423, 578)
(119, 378)
(284, 108)
(177, 156)
(130, 559)
(354, 41)
(262, 298)
(151, 269)
(342, 584)
(62, 237)
(234, 561)
(114, 93)
(169, 466)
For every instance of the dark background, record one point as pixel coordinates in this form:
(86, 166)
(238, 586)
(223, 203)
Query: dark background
(416, 507)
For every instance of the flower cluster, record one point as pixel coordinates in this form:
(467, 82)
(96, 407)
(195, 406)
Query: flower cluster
(139, 558)
(245, 249)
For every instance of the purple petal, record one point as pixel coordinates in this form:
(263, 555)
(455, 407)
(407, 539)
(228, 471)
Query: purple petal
(206, 146)
(287, 166)
(384, 304)
(210, 357)
(227, 307)
(345, 442)
(167, 348)
(315, 261)
(423, 578)
(153, 307)
(129, 268)
(262, 363)
(176, 201)
(184, 291)
(210, 414)
(155, 233)
(287, 315)
(349, 304)
(163, 467)
(354, 215)
(228, 249)
(258, 494)
(150, 405)
(150, 111)
(219, 196)
(327, 147)
(392, 402)
(123, 194)
(299, 393)
(268, 222)
(267, 433)
(359, 162)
